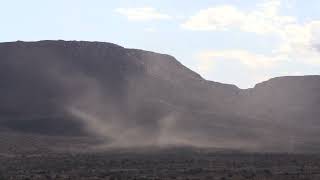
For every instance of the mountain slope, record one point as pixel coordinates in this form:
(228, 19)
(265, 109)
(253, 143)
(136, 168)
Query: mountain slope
(138, 98)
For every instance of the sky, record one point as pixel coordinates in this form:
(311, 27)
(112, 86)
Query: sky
(231, 41)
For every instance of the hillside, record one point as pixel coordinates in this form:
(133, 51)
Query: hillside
(133, 97)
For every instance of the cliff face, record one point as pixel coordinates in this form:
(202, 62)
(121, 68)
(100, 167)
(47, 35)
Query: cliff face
(136, 97)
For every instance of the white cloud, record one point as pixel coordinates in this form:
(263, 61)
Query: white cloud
(298, 40)
(261, 21)
(216, 18)
(142, 14)
(247, 58)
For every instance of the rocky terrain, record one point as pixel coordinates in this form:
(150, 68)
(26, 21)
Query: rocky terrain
(167, 164)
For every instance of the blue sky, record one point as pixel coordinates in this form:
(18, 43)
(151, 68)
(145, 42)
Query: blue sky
(231, 41)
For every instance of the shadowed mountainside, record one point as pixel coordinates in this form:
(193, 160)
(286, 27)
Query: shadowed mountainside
(139, 98)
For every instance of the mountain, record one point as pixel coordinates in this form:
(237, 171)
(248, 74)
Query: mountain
(133, 97)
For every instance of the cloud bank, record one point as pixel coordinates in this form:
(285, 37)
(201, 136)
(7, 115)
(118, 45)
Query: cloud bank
(298, 40)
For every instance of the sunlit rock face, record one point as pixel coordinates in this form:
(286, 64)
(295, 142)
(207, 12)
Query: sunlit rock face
(138, 98)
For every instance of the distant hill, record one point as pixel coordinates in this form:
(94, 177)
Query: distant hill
(139, 98)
